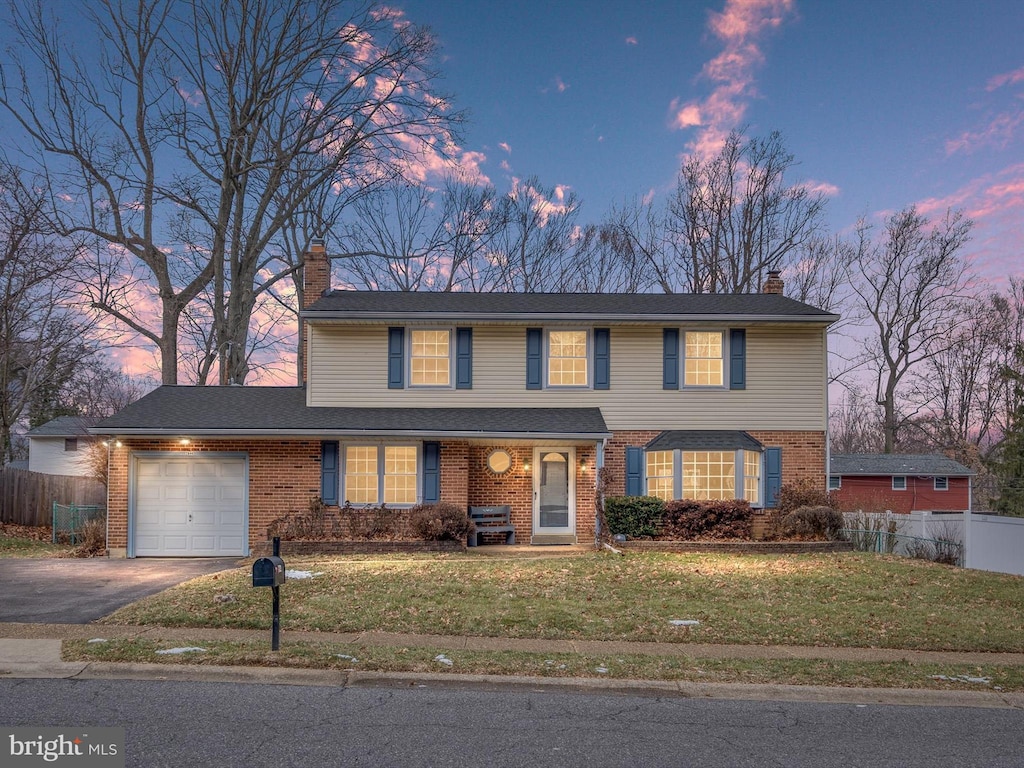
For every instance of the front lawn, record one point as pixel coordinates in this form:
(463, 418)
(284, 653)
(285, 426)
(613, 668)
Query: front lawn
(851, 600)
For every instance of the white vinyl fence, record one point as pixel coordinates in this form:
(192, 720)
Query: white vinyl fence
(990, 542)
(994, 543)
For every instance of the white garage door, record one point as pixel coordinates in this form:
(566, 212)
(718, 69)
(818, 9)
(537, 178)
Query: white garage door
(190, 506)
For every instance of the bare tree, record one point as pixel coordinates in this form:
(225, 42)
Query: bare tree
(42, 340)
(855, 424)
(735, 216)
(210, 125)
(911, 285)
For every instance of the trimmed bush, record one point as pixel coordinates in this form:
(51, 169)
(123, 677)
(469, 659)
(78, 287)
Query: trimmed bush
(440, 522)
(686, 520)
(818, 523)
(803, 493)
(633, 516)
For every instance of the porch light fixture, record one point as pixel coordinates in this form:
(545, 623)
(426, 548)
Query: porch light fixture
(184, 441)
(118, 443)
(583, 465)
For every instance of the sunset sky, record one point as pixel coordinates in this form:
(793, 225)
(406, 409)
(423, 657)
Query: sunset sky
(883, 102)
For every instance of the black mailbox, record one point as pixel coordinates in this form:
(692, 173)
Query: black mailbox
(268, 572)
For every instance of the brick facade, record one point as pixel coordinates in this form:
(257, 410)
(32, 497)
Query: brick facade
(284, 476)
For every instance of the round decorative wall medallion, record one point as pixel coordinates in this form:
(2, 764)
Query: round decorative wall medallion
(499, 461)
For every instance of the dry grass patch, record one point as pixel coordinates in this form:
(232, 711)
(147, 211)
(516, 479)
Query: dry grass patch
(29, 541)
(825, 600)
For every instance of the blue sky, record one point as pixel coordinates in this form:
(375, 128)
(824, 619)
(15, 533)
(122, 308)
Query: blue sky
(884, 104)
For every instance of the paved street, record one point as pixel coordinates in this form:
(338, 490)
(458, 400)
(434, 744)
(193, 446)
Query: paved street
(258, 726)
(71, 591)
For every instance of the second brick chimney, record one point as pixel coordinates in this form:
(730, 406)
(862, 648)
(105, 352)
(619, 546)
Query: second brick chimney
(316, 282)
(774, 283)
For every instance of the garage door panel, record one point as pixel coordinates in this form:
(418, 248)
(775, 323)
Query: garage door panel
(191, 506)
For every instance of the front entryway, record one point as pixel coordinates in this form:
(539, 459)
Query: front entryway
(554, 495)
(189, 505)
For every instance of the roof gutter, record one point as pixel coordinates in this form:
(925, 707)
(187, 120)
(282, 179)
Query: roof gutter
(329, 433)
(576, 317)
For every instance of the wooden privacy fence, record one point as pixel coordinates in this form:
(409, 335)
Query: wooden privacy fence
(26, 498)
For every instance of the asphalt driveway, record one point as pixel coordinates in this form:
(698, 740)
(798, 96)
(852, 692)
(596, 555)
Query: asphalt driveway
(67, 591)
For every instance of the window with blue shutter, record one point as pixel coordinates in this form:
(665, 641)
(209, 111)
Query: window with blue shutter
(737, 358)
(602, 358)
(431, 473)
(463, 358)
(396, 358)
(534, 357)
(772, 475)
(329, 473)
(670, 364)
(634, 471)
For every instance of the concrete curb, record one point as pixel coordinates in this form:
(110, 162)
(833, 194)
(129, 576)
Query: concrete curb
(657, 688)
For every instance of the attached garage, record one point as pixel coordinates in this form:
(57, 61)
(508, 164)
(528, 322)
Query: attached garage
(186, 505)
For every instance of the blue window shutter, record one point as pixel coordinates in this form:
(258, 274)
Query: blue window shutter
(772, 475)
(634, 471)
(602, 358)
(396, 358)
(431, 473)
(534, 357)
(329, 472)
(463, 358)
(737, 358)
(670, 363)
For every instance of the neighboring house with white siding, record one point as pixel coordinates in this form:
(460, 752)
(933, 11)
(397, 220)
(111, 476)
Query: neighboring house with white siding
(484, 400)
(59, 446)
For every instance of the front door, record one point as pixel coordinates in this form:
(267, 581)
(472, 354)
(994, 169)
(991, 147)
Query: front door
(554, 491)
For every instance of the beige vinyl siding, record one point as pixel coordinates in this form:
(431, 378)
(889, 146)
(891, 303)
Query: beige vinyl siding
(785, 379)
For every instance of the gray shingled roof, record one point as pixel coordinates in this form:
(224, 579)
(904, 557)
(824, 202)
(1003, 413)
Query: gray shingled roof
(65, 426)
(895, 464)
(280, 411)
(396, 304)
(703, 440)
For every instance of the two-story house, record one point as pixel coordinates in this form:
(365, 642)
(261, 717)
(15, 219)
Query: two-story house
(526, 400)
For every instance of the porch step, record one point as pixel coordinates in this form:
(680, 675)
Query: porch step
(551, 539)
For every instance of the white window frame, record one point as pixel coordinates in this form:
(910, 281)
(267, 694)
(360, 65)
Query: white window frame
(739, 466)
(381, 474)
(683, 358)
(945, 483)
(896, 487)
(838, 482)
(410, 332)
(589, 358)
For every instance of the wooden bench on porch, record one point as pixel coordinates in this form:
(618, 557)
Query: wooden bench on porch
(491, 520)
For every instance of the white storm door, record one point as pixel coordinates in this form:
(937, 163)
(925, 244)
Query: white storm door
(554, 490)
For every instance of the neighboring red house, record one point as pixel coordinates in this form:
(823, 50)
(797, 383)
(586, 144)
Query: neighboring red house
(900, 482)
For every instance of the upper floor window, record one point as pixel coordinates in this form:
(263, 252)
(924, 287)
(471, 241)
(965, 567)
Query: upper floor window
(70, 443)
(941, 483)
(899, 482)
(703, 359)
(377, 474)
(567, 359)
(430, 358)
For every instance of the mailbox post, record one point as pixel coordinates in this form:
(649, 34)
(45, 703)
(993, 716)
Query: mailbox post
(269, 572)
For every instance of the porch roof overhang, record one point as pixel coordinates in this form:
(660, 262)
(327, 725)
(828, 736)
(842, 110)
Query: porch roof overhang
(281, 412)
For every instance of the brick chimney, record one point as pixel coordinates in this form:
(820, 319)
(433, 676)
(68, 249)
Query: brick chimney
(316, 282)
(774, 283)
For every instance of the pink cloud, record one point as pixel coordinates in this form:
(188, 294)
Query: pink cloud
(505, 146)
(1006, 78)
(631, 40)
(504, 165)
(998, 134)
(995, 202)
(820, 187)
(739, 27)
(561, 85)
